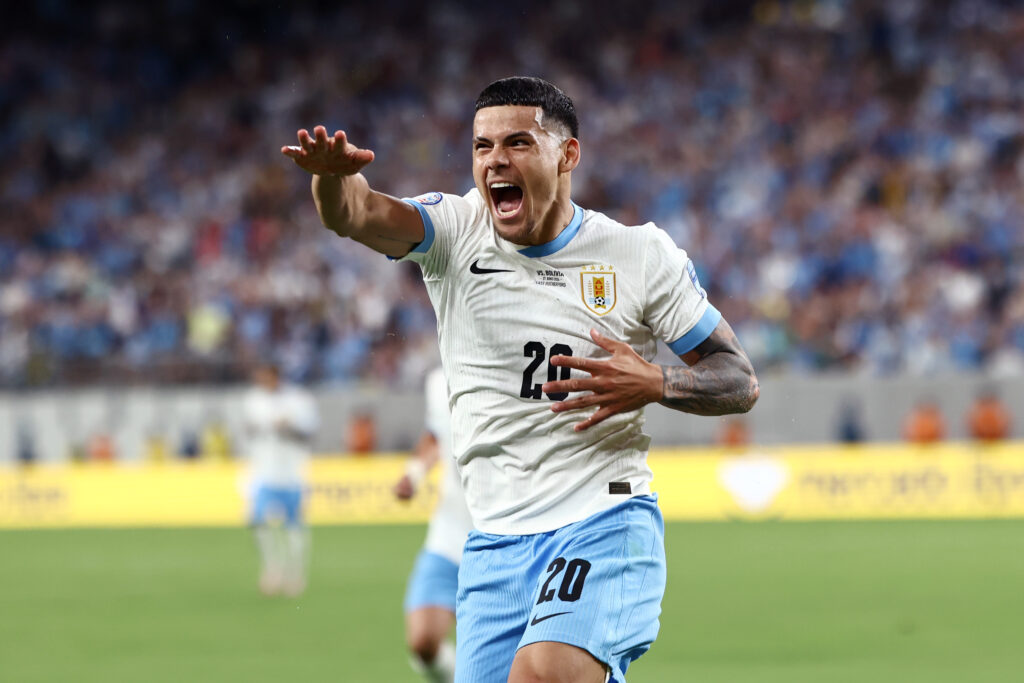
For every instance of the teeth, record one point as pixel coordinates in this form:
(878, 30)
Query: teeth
(497, 186)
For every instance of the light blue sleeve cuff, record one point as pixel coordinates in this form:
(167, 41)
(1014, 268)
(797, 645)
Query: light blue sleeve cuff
(428, 228)
(698, 333)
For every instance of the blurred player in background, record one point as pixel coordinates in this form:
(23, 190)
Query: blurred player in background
(433, 584)
(280, 421)
(563, 576)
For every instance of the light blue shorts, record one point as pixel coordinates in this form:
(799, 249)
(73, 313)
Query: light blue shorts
(273, 501)
(596, 584)
(433, 583)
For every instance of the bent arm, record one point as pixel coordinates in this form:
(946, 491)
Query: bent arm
(718, 378)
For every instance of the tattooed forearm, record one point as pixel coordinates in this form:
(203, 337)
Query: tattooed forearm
(717, 385)
(720, 381)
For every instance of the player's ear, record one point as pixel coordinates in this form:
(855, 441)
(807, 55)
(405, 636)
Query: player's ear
(570, 155)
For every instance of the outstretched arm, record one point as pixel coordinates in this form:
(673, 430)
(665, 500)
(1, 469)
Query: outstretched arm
(719, 380)
(343, 197)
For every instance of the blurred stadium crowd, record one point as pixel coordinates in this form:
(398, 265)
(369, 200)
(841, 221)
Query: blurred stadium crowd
(846, 175)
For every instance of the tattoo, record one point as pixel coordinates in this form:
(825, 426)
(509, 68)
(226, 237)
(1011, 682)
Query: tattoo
(719, 381)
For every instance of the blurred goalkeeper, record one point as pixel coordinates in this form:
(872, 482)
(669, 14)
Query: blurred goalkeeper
(433, 584)
(280, 421)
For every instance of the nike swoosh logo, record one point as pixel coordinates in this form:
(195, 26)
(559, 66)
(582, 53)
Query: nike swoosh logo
(477, 270)
(537, 620)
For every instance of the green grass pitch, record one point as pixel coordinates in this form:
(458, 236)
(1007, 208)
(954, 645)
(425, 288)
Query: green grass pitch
(746, 602)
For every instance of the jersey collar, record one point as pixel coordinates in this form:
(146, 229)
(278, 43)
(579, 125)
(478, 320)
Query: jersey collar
(563, 238)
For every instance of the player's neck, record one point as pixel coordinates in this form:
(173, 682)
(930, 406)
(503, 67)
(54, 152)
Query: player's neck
(557, 219)
(544, 228)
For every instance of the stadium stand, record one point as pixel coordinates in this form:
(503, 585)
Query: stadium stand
(847, 175)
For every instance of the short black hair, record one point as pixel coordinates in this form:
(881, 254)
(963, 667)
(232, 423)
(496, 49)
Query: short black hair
(529, 91)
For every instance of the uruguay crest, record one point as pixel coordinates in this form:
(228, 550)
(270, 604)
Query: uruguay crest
(597, 287)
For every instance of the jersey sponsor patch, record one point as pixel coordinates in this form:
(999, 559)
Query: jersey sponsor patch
(619, 488)
(429, 198)
(692, 272)
(598, 289)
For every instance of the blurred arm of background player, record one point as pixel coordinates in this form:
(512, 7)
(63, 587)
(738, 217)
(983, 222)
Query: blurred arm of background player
(295, 431)
(424, 456)
(344, 200)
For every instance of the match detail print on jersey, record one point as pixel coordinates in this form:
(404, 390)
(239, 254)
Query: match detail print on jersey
(597, 287)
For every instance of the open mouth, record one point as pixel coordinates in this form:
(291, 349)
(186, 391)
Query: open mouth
(507, 199)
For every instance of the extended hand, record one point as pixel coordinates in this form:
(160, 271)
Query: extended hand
(322, 155)
(404, 488)
(622, 383)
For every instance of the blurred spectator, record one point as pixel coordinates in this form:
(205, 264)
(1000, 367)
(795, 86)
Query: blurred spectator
(156, 449)
(847, 176)
(733, 433)
(188, 447)
(25, 443)
(361, 434)
(77, 452)
(850, 424)
(101, 448)
(215, 441)
(988, 419)
(925, 423)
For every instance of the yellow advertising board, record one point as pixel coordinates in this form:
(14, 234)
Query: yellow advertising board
(341, 490)
(822, 482)
(866, 482)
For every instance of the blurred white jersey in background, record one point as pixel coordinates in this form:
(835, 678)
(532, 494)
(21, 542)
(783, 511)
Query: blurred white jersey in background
(279, 457)
(450, 523)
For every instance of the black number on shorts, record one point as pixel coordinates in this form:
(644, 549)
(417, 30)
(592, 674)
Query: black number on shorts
(557, 565)
(571, 587)
(536, 350)
(572, 582)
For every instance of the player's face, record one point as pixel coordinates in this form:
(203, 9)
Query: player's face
(517, 164)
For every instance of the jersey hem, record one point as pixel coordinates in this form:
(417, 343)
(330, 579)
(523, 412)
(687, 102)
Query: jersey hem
(579, 515)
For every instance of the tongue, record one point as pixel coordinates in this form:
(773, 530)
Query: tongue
(508, 199)
(509, 204)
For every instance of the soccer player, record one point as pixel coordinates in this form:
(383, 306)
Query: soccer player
(280, 421)
(430, 595)
(548, 319)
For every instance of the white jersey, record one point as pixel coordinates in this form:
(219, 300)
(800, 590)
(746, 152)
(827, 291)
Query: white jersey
(450, 523)
(277, 459)
(504, 310)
